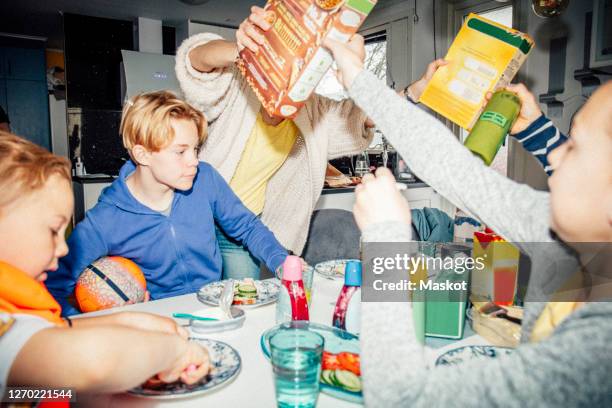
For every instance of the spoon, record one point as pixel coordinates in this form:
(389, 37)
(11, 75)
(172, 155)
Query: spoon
(227, 298)
(193, 317)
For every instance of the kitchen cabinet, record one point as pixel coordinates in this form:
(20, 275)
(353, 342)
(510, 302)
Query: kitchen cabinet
(28, 110)
(23, 63)
(3, 95)
(23, 92)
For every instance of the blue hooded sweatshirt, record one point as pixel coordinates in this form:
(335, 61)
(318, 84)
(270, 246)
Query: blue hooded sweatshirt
(177, 253)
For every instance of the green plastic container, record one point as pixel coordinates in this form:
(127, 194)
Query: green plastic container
(445, 312)
(493, 125)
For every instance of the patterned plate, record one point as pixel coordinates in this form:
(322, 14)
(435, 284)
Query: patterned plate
(332, 269)
(336, 341)
(225, 362)
(465, 353)
(267, 292)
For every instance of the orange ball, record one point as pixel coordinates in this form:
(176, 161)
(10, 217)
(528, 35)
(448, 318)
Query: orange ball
(110, 281)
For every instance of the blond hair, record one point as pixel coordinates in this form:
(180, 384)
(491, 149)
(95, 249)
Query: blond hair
(146, 120)
(26, 167)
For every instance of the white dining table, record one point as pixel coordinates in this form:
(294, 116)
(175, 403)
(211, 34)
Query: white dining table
(254, 385)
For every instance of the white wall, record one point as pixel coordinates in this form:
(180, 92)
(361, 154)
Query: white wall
(188, 28)
(59, 132)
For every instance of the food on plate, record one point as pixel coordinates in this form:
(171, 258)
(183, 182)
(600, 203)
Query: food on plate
(335, 178)
(245, 292)
(341, 370)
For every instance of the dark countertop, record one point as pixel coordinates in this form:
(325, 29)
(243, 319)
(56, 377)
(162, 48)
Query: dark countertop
(340, 190)
(92, 179)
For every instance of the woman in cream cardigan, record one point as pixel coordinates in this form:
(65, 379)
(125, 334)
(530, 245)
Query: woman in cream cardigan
(276, 167)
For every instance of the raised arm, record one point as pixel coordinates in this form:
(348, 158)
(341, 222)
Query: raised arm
(533, 130)
(205, 66)
(516, 212)
(213, 55)
(220, 53)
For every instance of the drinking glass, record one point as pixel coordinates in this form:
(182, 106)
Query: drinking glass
(296, 363)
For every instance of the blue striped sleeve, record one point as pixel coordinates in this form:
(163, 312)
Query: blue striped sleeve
(540, 138)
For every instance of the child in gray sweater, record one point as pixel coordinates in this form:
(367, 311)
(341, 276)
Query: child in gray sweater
(571, 366)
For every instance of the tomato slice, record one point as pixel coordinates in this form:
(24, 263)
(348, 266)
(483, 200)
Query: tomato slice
(329, 361)
(350, 362)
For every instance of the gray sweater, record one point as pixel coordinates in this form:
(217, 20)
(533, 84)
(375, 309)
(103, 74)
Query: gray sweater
(570, 368)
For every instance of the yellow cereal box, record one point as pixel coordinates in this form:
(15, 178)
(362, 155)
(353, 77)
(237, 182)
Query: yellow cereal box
(484, 57)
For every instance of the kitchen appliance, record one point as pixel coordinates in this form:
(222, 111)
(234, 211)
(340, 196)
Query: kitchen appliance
(147, 72)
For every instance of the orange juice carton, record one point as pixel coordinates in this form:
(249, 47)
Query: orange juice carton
(496, 277)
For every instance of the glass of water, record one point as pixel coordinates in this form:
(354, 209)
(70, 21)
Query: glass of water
(296, 362)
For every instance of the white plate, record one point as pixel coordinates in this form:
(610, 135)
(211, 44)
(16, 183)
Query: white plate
(223, 324)
(462, 354)
(225, 362)
(267, 292)
(333, 268)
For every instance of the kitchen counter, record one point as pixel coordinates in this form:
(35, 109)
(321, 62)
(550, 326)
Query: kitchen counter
(351, 189)
(93, 178)
(418, 195)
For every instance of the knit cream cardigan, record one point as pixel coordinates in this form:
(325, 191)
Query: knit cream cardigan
(329, 129)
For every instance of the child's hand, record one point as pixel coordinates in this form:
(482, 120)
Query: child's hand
(277, 273)
(415, 90)
(378, 200)
(192, 365)
(530, 110)
(349, 58)
(150, 322)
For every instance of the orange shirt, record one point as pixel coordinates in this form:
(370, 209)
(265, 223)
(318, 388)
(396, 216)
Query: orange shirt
(20, 293)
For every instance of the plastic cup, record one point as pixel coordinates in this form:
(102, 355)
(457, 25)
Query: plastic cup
(296, 363)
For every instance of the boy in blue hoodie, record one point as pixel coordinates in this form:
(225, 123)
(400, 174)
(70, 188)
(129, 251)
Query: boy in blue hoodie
(161, 210)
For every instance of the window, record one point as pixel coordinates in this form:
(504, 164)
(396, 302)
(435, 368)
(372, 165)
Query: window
(376, 54)
(502, 15)
(375, 61)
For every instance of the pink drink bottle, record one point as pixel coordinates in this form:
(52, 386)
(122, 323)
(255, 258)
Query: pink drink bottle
(292, 303)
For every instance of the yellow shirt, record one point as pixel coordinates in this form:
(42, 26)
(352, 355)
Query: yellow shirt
(265, 152)
(555, 312)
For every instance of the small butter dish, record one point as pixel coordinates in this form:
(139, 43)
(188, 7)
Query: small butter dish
(222, 324)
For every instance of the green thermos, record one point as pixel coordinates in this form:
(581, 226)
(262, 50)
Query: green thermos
(493, 125)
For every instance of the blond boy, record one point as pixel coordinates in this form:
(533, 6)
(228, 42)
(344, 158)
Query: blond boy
(161, 210)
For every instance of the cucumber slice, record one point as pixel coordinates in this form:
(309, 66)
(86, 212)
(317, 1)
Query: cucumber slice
(333, 379)
(241, 293)
(348, 380)
(325, 377)
(247, 289)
